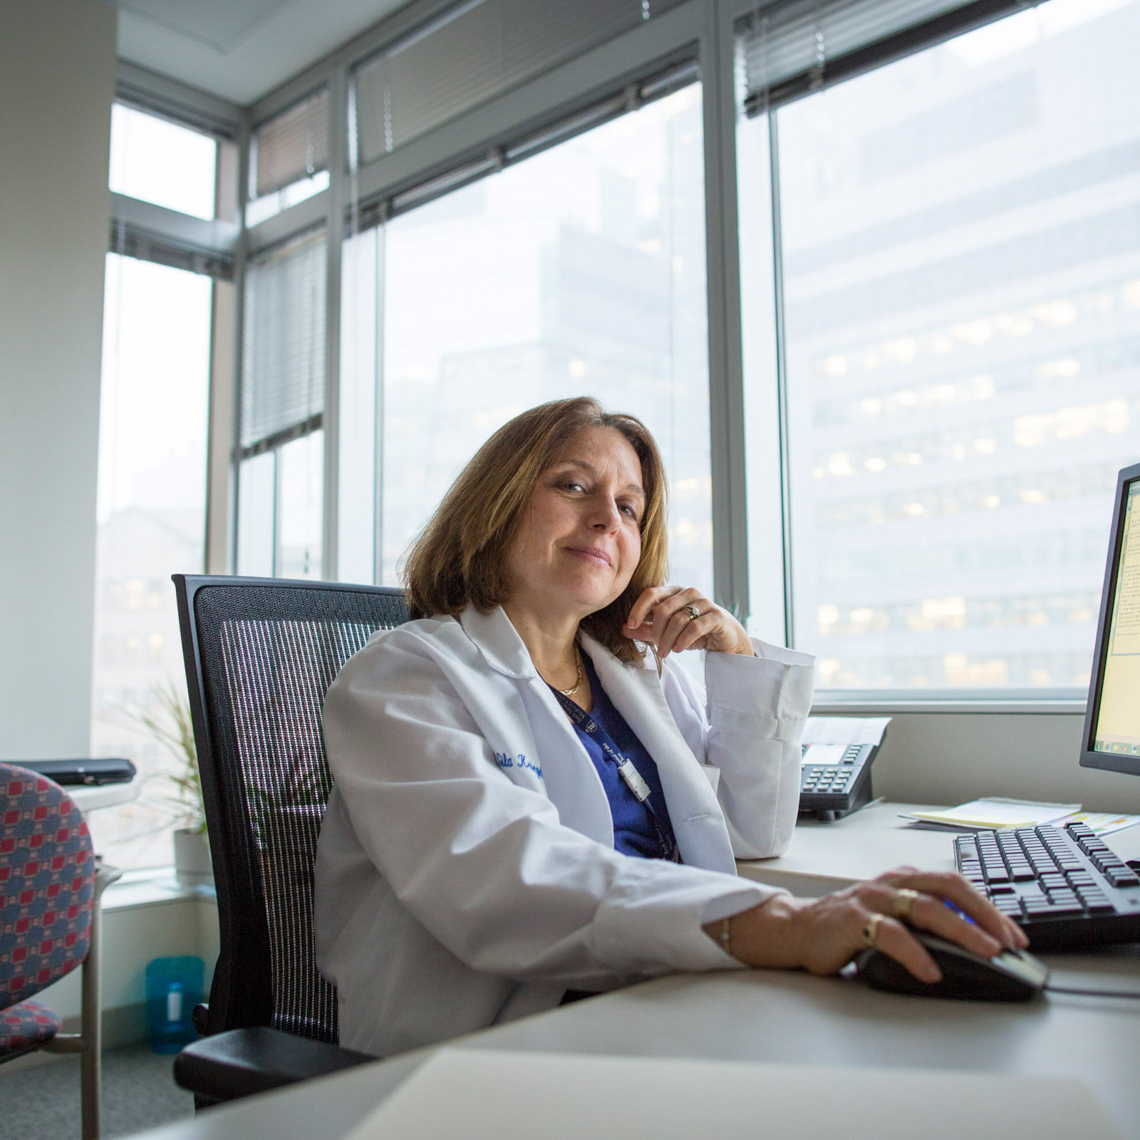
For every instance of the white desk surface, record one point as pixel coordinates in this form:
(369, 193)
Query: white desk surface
(827, 857)
(782, 1017)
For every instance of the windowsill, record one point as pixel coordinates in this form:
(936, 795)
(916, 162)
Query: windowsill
(862, 704)
(151, 886)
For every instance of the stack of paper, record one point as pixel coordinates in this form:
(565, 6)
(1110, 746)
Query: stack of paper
(1103, 822)
(995, 811)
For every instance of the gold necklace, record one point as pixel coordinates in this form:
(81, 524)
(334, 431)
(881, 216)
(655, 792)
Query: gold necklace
(578, 684)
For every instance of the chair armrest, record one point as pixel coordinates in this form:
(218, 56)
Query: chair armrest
(241, 1062)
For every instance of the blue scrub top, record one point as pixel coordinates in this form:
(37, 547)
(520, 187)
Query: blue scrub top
(634, 830)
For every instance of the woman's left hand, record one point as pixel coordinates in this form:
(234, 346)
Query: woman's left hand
(673, 618)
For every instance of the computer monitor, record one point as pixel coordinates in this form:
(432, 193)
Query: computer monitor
(1112, 722)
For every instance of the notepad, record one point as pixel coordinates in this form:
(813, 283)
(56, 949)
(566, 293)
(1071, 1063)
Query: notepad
(996, 812)
(490, 1094)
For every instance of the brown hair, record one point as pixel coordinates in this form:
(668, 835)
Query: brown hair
(460, 558)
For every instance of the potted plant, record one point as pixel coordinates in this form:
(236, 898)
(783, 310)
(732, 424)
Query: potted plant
(177, 792)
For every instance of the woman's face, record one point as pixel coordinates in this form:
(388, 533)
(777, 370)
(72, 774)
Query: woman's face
(579, 539)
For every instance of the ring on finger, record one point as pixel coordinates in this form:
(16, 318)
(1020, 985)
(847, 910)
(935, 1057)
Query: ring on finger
(692, 611)
(901, 904)
(871, 929)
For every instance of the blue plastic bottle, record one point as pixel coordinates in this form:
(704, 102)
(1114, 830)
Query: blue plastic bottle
(173, 988)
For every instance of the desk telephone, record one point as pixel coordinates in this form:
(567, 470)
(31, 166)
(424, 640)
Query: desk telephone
(835, 779)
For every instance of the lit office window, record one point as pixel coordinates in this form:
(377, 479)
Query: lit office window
(961, 274)
(301, 466)
(281, 475)
(162, 162)
(280, 510)
(151, 522)
(580, 271)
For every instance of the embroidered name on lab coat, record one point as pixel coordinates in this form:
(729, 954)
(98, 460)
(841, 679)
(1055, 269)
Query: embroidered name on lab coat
(520, 761)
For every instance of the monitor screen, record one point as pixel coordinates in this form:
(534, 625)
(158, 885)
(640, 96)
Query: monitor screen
(1112, 727)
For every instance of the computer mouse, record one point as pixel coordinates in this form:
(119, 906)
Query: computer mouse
(1012, 975)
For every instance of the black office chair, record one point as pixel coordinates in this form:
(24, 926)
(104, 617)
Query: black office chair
(260, 654)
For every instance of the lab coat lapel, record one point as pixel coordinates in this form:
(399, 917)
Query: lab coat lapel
(567, 773)
(698, 821)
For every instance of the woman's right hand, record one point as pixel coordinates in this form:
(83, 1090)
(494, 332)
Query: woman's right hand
(822, 935)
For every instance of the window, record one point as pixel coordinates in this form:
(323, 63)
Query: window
(162, 162)
(579, 271)
(281, 477)
(158, 348)
(959, 267)
(150, 521)
(288, 158)
(473, 52)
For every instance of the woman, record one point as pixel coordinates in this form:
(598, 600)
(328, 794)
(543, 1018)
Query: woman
(527, 802)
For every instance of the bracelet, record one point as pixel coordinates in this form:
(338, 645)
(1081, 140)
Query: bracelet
(726, 936)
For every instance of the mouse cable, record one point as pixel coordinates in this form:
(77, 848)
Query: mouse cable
(1093, 993)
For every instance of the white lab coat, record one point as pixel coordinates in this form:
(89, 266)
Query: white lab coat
(466, 872)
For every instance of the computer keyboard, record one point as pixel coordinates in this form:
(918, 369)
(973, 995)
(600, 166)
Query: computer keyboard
(1064, 886)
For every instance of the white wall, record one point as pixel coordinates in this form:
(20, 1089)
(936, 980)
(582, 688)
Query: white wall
(948, 758)
(57, 79)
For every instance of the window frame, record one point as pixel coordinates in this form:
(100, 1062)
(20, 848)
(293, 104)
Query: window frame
(213, 248)
(145, 231)
(700, 29)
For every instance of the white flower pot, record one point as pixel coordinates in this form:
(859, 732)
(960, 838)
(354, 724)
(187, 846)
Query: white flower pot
(192, 866)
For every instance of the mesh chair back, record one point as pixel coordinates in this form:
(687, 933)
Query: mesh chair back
(260, 654)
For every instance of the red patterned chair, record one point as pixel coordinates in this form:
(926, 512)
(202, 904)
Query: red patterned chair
(50, 885)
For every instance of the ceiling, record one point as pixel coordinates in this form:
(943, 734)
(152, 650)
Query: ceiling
(239, 49)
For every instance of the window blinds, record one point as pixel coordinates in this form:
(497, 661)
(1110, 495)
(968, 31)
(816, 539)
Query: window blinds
(374, 211)
(477, 51)
(283, 343)
(788, 49)
(291, 146)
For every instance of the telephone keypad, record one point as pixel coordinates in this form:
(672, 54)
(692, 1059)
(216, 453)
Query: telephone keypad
(830, 790)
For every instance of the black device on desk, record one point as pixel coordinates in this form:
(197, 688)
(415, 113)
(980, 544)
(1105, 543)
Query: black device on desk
(88, 772)
(1012, 975)
(840, 783)
(1064, 885)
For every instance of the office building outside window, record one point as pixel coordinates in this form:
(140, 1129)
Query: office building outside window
(151, 522)
(580, 271)
(960, 256)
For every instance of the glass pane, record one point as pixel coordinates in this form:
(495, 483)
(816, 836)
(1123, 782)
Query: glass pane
(257, 515)
(159, 161)
(361, 267)
(473, 52)
(767, 618)
(291, 146)
(962, 272)
(151, 523)
(300, 487)
(578, 272)
(283, 337)
(271, 204)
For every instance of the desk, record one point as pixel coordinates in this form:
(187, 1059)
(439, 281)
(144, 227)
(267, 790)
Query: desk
(775, 1016)
(825, 857)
